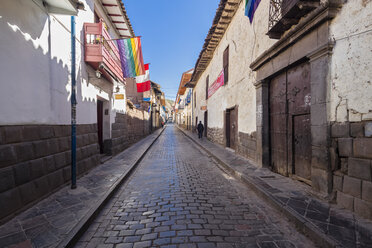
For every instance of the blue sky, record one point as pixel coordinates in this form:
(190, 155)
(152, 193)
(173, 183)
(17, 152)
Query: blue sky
(173, 33)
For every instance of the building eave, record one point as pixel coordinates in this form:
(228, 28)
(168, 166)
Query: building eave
(63, 7)
(225, 12)
(116, 12)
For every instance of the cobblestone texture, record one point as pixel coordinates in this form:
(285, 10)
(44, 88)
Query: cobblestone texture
(50, 221)
(179, 198)
(326, 223)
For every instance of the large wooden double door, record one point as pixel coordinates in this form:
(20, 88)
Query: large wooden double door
(290, 129)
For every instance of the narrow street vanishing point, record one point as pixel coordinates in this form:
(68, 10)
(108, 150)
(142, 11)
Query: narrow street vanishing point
(178, 197)
(186, 124)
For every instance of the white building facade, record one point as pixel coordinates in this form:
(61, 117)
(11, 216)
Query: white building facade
(35, 93)
(296, 96)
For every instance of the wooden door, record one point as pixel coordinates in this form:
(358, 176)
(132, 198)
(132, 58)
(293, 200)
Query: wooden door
(278, 124)
(302, 146)
(196, 122)
(233, 127)
(206, 123)
(290, 129)
(299, 131)
(228, 128)
(100, 124)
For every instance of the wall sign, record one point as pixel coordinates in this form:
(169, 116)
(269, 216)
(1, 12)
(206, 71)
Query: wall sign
(119, 96)
(216, 84)
(203, 108)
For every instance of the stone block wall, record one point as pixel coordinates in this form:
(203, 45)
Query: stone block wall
(183, 126)
(129, 128)
(35, 161)
(247, 145)
(351, 161)
(216, 135)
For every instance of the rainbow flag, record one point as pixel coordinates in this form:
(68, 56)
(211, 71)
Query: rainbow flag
(250, 8)
(131, 58)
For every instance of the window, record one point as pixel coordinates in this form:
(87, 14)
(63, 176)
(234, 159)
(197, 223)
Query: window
(226, 65)
(206, 87)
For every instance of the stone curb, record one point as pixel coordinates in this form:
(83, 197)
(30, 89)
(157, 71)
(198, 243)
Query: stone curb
(78, 230)
(304, 226)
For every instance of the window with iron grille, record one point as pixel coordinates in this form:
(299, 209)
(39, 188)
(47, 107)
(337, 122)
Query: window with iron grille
(206, 87)
(226, 65)
(283, 14)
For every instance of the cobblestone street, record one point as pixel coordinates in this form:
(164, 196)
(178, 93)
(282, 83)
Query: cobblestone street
(178, 197)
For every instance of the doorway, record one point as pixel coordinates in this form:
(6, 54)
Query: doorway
(231, 127)
(196, 123)
(290, 129)
(100, 124)
(206, 123)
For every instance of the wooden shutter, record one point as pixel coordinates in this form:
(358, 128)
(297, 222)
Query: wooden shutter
(226, 65)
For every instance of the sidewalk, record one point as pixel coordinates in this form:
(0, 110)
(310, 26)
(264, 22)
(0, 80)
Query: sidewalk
(325, 223)
(58, 220)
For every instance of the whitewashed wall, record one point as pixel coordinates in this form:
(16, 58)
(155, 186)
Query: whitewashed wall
(35, 66)
(246, 41)
(351, 66)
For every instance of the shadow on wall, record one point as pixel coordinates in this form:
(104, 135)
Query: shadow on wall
(33, 81)
(26, 15)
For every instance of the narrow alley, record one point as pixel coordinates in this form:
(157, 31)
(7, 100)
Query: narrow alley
(178, 197)
(186, 124)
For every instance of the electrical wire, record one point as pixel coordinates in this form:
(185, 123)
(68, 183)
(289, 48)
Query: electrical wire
(360, 33)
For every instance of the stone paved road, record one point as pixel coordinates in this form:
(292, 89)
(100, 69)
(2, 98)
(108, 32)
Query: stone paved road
(178, 197)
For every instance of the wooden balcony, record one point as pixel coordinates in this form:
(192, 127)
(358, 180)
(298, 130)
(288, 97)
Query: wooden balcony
(101, 51)
(285, 13)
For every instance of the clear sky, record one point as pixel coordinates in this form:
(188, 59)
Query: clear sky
(173, 33)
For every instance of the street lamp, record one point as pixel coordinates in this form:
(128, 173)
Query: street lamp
(98, 74)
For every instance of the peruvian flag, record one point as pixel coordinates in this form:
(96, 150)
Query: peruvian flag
(143, 81)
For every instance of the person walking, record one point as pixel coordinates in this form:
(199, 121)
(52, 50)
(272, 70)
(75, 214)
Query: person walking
(200, 130)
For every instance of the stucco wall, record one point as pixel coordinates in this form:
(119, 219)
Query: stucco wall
(246, 41)
(351, 74)
(35, 67)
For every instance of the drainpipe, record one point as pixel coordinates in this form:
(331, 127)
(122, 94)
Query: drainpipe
(73, 105)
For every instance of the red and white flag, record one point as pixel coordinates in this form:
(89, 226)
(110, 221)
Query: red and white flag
(143, 81)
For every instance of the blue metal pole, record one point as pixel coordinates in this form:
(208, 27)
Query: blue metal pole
(73, 106)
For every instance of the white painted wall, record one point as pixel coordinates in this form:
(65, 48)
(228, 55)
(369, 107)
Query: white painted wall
(246, 41)
(351, 66)
(35, 66)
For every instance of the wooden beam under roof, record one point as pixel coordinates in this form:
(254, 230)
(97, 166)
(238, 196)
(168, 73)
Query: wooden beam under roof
(231, 3)
(229, 10)
(224, 14)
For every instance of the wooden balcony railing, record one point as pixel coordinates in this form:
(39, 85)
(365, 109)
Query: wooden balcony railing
(285, 13)
(101, 51)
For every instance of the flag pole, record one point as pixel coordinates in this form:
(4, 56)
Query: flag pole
(125, 38)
